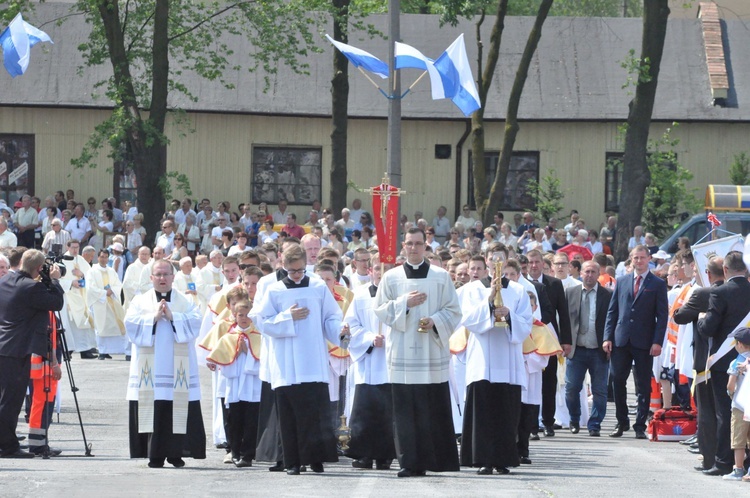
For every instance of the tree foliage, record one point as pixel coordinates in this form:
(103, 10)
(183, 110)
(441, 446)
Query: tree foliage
(667, 195)
(548, 196)
(739, 170)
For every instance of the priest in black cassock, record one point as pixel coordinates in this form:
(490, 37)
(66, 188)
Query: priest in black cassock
(419, 302)
(164, 387)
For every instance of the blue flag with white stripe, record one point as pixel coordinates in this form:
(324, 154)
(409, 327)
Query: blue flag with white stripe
(17, 40)
(457, 80)
(359, 57)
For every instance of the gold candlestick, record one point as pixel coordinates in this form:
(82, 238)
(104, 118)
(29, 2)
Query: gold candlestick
(499, 258)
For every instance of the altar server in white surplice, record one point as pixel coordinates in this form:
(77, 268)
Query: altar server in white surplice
(164, 389)
(103, 298)
(297, 314)
(371, 422)
(76, 316)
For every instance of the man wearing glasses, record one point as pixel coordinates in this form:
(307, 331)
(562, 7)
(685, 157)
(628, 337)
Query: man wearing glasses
(164, 387)
(296, 316)
(419, 302)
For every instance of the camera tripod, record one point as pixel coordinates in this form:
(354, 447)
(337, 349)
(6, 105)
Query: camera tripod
(62, 344)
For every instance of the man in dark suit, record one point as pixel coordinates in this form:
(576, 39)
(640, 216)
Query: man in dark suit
(25, 304)
(690, 312)
(587, 305)
(634, 332)
(559, 308)
(728, 305)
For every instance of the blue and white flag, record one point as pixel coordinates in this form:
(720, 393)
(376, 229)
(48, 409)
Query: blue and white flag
(361, 58)
(408, 56)
(457, 80)
(17, 40)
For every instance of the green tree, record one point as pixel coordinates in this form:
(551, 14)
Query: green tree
(667, 195)
(151, 46)
(739, 170)
(548, 196)
(636, 175)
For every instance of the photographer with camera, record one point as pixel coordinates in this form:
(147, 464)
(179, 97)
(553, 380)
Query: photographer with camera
(25, 303)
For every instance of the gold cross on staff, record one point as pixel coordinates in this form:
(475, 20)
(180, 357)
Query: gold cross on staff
(385, 195)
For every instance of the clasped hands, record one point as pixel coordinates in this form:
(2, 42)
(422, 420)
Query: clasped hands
(163, 311)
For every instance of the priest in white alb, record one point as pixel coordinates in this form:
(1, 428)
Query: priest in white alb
(76, 316)
(419, 303)
(103, 298)
(131, 282)
(164, 388)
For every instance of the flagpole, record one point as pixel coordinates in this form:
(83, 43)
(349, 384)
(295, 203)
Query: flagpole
(394, 102)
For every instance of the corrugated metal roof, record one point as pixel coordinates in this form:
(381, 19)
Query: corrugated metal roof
(575, 75)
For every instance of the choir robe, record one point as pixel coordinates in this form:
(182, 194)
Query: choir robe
(166, 440)
(144, 280)
(418, 365)
(183, 283)
(209, 277)
(298, 365)
(495, 376)
(131, 281)
(76, 316)
(371, 422)
(243, 387)
(107, 311)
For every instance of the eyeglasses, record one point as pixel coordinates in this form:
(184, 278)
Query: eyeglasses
(162, 275)
(295, 272)
(413, 244)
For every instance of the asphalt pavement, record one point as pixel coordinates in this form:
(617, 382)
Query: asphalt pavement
(564, 465)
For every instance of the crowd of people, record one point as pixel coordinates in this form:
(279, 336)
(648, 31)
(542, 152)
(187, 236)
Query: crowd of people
(489, 334)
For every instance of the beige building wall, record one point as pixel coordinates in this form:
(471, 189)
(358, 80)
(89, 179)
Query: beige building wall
(216, 155)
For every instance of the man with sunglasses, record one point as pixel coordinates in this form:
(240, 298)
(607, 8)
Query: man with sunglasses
(79, 227)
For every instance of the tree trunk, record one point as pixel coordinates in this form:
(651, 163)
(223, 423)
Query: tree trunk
(339, 110)
(511, 117)
(636, 176)
(146, 140)
(477, 119)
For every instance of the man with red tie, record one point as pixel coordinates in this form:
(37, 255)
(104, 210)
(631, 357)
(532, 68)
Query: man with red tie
(633, 333)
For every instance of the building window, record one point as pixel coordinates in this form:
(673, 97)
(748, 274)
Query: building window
(613, 178)
(613, 181)
(286, 173)
(16, 167)
(125, 185)
(524, 166)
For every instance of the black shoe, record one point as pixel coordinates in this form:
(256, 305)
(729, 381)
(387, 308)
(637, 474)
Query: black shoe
(692, 439)
(52, 451)
(302, 468)
(362, 463)
(700, 468)
(156, 463)
(534, 437)
(383, 464)
(716, 471)
(293, 471)
(410, 473)
(503, 471)
(574, 428)
(222, 446)
(19, 453)
(641, 435)
(127, 357)
(242, 462)
(485, 471)
(177, 463)
(317, 467)
(87, 355)
(549, 431)
(594, 433)
(102, 357)
(557, 426)
(694, 446)
(619, 429)
(694, 451)
(525, 460)
(279, 467)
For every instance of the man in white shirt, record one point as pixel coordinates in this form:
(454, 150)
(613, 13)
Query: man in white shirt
(26, 220)
(560, 267)
(442, 225)
(185, 209)
(7, 238)
(79, 227)
(346, 222)
(55, 236)
(166, 239)
(279, 217)
(356, 211)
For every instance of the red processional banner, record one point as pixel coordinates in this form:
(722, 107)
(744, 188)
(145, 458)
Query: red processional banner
(385, 214)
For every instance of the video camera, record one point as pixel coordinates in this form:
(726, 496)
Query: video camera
(52, 258)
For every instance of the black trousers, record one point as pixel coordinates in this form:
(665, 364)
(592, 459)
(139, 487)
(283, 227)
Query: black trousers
(706, 422)
(723, 408)
(243, 429)
(225, 416)
(549, 391)
(622, 359)
(14, 377)
(527, 423)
